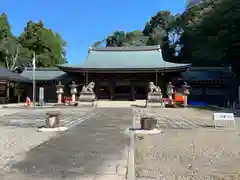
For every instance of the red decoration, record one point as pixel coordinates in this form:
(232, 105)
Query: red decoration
(67, 100)
(28, 101)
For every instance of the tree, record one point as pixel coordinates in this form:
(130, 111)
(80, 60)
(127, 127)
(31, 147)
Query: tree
(121, 38)
(164, 29)
(48, 46)
(99, 43)
(9, 46)
(205, 34)
(210, 34)
(160, 30)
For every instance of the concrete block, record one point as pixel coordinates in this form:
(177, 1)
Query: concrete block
(121, 170)
(107, 177)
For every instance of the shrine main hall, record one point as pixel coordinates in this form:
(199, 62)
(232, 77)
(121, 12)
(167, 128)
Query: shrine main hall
(123, 73)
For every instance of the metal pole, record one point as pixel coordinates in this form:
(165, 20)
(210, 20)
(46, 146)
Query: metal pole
(34, 80)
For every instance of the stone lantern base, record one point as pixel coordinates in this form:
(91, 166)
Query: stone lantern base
(52, 123)
(58, 129)
(171, 106)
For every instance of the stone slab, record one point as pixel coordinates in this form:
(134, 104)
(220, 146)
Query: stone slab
(154, 131)
(108, 177)
(121, 170)
(57, 129)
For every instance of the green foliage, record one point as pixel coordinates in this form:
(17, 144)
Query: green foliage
(206, 34)
(211, 33)
(160, 30)
(9, 46)
(121, 38)
(48, 46)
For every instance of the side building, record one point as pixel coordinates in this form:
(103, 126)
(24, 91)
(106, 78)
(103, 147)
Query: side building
(12, 86)
(46, 78)
(212, 85)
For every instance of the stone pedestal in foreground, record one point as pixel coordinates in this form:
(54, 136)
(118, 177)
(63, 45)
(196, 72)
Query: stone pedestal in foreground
(148, 123)
(52, 123)
(52, 120)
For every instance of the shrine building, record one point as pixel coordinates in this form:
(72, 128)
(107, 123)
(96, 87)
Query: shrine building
(123, 73)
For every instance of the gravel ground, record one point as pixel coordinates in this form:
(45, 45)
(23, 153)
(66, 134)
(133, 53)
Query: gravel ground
(93, 150)
(185, 151)
(15, 142)
(18, 133)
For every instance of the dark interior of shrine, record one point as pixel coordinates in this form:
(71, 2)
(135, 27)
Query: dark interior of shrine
(130, 86)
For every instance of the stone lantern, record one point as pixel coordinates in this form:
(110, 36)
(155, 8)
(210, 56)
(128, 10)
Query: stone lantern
(170, 92)
(59, 92)
(186, 92)
(73, 91)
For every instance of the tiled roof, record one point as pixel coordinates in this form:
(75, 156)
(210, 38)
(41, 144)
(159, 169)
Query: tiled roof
(10, 76)
(43, 74)
(137, 57)
(207, 74)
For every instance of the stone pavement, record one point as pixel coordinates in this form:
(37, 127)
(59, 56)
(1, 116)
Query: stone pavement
(95, 149)
(9, 111)
(168, 118)
(188, 147)
(18, 132)
(32, 118)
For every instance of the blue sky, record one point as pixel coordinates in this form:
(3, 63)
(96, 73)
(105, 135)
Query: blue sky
(83, 22)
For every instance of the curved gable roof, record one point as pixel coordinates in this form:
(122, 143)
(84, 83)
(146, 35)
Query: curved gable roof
(137, 57)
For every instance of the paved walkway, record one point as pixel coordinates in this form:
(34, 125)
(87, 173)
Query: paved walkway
(169, 118)
(93, 150)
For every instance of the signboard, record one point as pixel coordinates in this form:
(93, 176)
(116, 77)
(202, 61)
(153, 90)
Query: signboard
(224, 117)
(41, 96)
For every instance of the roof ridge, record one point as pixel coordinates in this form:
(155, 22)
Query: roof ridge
(42, 69)
(130, 48)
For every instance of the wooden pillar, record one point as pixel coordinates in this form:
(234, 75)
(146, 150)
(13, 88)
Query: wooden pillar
(112, 87)
(133, 91)
(86, 80)
(7, 86)
(156, 78)
(19, 95)
(97, 86)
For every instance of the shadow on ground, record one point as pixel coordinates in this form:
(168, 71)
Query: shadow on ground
(81, 150)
